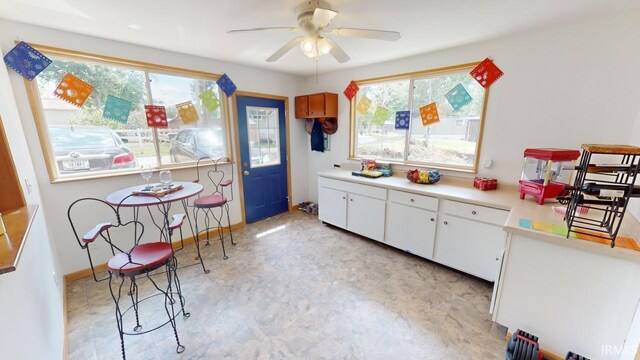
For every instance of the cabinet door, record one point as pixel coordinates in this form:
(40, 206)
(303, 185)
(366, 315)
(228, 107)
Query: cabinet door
(332, 207)
(302, 107)
(469, 246)
(316, 105)
(331, 105)
(365, 216)
(411, 229)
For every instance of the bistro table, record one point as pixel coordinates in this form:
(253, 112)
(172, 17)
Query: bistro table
(189, 189)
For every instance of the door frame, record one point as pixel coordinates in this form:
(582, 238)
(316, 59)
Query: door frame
(234, 104)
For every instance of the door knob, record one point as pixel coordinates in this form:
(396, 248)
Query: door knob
(246, 172)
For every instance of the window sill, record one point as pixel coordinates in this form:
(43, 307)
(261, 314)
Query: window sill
(191, 165)
(17, 223)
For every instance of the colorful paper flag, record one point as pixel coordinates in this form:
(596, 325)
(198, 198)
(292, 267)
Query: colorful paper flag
(209, 100)
(187, 112)
(73, 90)
(116, 109)
(402, 119)
(429, 114)
(226, 85)
(458, 97)
(351, 90)
(380, 115)
(363, 105)
(26, 60)
(156, 116)
(486, 73)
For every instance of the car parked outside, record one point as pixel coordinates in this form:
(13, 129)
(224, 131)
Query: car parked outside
(193, 144)
(89, 148)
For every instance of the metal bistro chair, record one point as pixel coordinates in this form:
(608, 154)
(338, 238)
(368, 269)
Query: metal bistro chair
(138, 262)
(215, 205)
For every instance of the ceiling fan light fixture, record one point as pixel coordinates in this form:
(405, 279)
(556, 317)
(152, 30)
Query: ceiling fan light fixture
(309, 47)
(324, 47)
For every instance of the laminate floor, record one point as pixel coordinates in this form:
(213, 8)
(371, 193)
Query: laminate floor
(294, 288)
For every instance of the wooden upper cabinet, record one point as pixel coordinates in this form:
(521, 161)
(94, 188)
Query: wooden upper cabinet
(320, 105)
(11, 196)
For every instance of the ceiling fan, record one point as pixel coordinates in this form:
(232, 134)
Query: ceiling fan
(314, 22)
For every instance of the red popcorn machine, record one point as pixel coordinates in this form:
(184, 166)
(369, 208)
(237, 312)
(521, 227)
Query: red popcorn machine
(546, 172)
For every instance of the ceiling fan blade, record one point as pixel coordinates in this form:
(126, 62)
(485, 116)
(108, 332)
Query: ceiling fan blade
(367, 33)
(289, 29)
(322, 17)
(337, 52)
(285, 49)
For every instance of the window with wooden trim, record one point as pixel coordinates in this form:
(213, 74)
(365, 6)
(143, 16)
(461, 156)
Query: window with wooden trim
(452, 143)
(83, 142)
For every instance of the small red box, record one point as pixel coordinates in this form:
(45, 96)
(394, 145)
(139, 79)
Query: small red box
(485, 184)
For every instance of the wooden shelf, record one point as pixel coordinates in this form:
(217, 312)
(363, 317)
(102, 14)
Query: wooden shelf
(17, 222)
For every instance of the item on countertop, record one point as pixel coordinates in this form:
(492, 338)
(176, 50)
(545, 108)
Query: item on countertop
(373, 174)
(561, 210)
(329, 125)
(383, 165)
(573, 356)
(607, 188)
(485, 184)
(371, 165)
(423, 176)
(544, 172)
(158, 191)
(386, 172)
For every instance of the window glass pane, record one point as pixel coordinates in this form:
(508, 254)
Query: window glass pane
(83, 142)
(183, 140)
(382, 140)
(264, 136)
(453, 140)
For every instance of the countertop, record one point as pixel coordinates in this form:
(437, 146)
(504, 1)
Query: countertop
(506, 197)
(17, 222)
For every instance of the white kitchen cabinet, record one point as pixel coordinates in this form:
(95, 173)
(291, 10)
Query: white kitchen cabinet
(470, 238)
(333, 207)
(411, 229)
(365, 216)
(354, 207)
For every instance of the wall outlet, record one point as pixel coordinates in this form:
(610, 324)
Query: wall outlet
(488, 164)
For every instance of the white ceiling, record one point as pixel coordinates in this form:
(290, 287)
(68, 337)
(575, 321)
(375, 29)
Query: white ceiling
(198, 27)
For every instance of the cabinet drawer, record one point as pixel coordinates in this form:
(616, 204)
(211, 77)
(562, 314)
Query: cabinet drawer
(366, 190)
(475, 212)
(418, 201)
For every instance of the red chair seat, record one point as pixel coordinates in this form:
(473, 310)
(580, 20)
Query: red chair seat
(144, 257)
(210, 201)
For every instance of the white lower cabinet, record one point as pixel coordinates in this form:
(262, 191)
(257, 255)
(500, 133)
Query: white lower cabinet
(334, 206)
(410, 227)
(469, 245)
(463, 236)
(357, 208)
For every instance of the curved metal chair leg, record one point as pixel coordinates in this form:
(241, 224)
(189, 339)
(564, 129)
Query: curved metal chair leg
(169, 308)
(133, 292)
(197, 241)
(229, 224)
(176, 279)
(116, 300)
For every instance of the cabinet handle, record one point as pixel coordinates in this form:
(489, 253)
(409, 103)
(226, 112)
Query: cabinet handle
(412, 200)
(497, 259)
(473, 212)
(432, 219)
(351, 200)
(344, 198)
(446, 223)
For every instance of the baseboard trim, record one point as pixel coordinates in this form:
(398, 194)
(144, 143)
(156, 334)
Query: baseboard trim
(74, 276)
(548, 354)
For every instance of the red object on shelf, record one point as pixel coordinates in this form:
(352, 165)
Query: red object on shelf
(485, 184)
(544, 175)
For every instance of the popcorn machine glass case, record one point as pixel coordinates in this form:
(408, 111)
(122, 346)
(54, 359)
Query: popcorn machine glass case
(546, 172)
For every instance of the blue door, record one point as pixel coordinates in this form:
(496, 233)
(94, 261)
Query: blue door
(263, 156)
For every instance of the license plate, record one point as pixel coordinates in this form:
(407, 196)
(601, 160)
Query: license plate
(75, 164)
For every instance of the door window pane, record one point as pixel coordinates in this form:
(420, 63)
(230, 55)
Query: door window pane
(264, 136)
(382, 140)
(169, 90)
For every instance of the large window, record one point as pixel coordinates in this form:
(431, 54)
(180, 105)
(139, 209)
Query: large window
(452, 143)
(81, 142)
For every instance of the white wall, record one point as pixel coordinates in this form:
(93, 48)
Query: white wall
(562, 87)
(58, 196)
(31, 309)
(634, 139)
